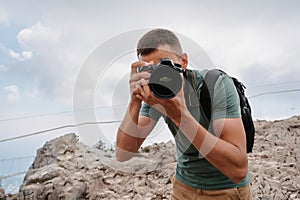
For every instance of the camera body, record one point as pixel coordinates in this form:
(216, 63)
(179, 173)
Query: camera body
(165, 79)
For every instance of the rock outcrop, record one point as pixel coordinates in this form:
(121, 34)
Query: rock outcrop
(65, 168)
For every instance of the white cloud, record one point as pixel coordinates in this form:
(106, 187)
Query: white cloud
(240, 44)
(14, 55)
(34, 37)
(13, 92)
(24, 55)
(58, 56)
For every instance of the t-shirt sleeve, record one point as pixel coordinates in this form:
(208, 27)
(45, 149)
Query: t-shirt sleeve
(226, 103)
(150, 112)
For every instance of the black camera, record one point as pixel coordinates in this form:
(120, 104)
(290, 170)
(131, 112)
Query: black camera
(165, 80)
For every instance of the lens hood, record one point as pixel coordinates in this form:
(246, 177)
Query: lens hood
(165, 82)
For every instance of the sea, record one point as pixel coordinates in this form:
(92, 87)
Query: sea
(12, 173)
(12, 185)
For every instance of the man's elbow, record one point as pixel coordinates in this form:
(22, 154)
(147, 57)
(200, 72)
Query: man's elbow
(122, 155)
(239, 175)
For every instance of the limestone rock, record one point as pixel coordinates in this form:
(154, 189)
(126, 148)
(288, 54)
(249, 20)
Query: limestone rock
(65, 168)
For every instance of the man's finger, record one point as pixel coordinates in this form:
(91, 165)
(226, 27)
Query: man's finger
(146, 88)
(138, 76)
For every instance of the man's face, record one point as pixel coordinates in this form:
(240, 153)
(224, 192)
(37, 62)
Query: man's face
(163, 51)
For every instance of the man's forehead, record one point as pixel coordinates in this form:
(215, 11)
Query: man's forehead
(156, 56)
(163, 51)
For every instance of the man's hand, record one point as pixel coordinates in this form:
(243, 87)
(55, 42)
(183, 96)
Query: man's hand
(138, 80)
(173, 108)
(140, 91)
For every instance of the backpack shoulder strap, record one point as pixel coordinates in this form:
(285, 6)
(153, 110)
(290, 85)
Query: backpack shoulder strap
(207, 91)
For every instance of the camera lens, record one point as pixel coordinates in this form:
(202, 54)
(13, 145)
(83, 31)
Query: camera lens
(165, 82)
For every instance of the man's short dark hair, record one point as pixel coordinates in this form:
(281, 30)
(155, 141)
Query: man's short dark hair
(154, 38)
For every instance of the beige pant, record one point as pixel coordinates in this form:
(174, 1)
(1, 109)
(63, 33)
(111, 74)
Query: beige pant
(182, 191)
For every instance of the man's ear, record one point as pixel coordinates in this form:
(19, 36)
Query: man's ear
(184, 61)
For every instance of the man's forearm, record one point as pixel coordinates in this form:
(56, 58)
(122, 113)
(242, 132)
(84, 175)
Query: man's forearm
(130, 121)
(127, 141)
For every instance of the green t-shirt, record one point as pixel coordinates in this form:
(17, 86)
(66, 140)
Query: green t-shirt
(192, 169)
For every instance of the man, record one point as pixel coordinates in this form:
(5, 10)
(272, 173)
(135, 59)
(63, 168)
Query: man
(211, 164)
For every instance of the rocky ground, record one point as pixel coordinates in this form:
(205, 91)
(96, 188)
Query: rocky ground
(275, 161)
(67, 169)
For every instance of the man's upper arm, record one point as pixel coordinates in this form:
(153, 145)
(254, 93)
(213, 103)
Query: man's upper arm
(226, 102)
(231, 130)
(227, 122)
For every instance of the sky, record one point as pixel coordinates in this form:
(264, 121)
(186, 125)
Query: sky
(47, 48)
